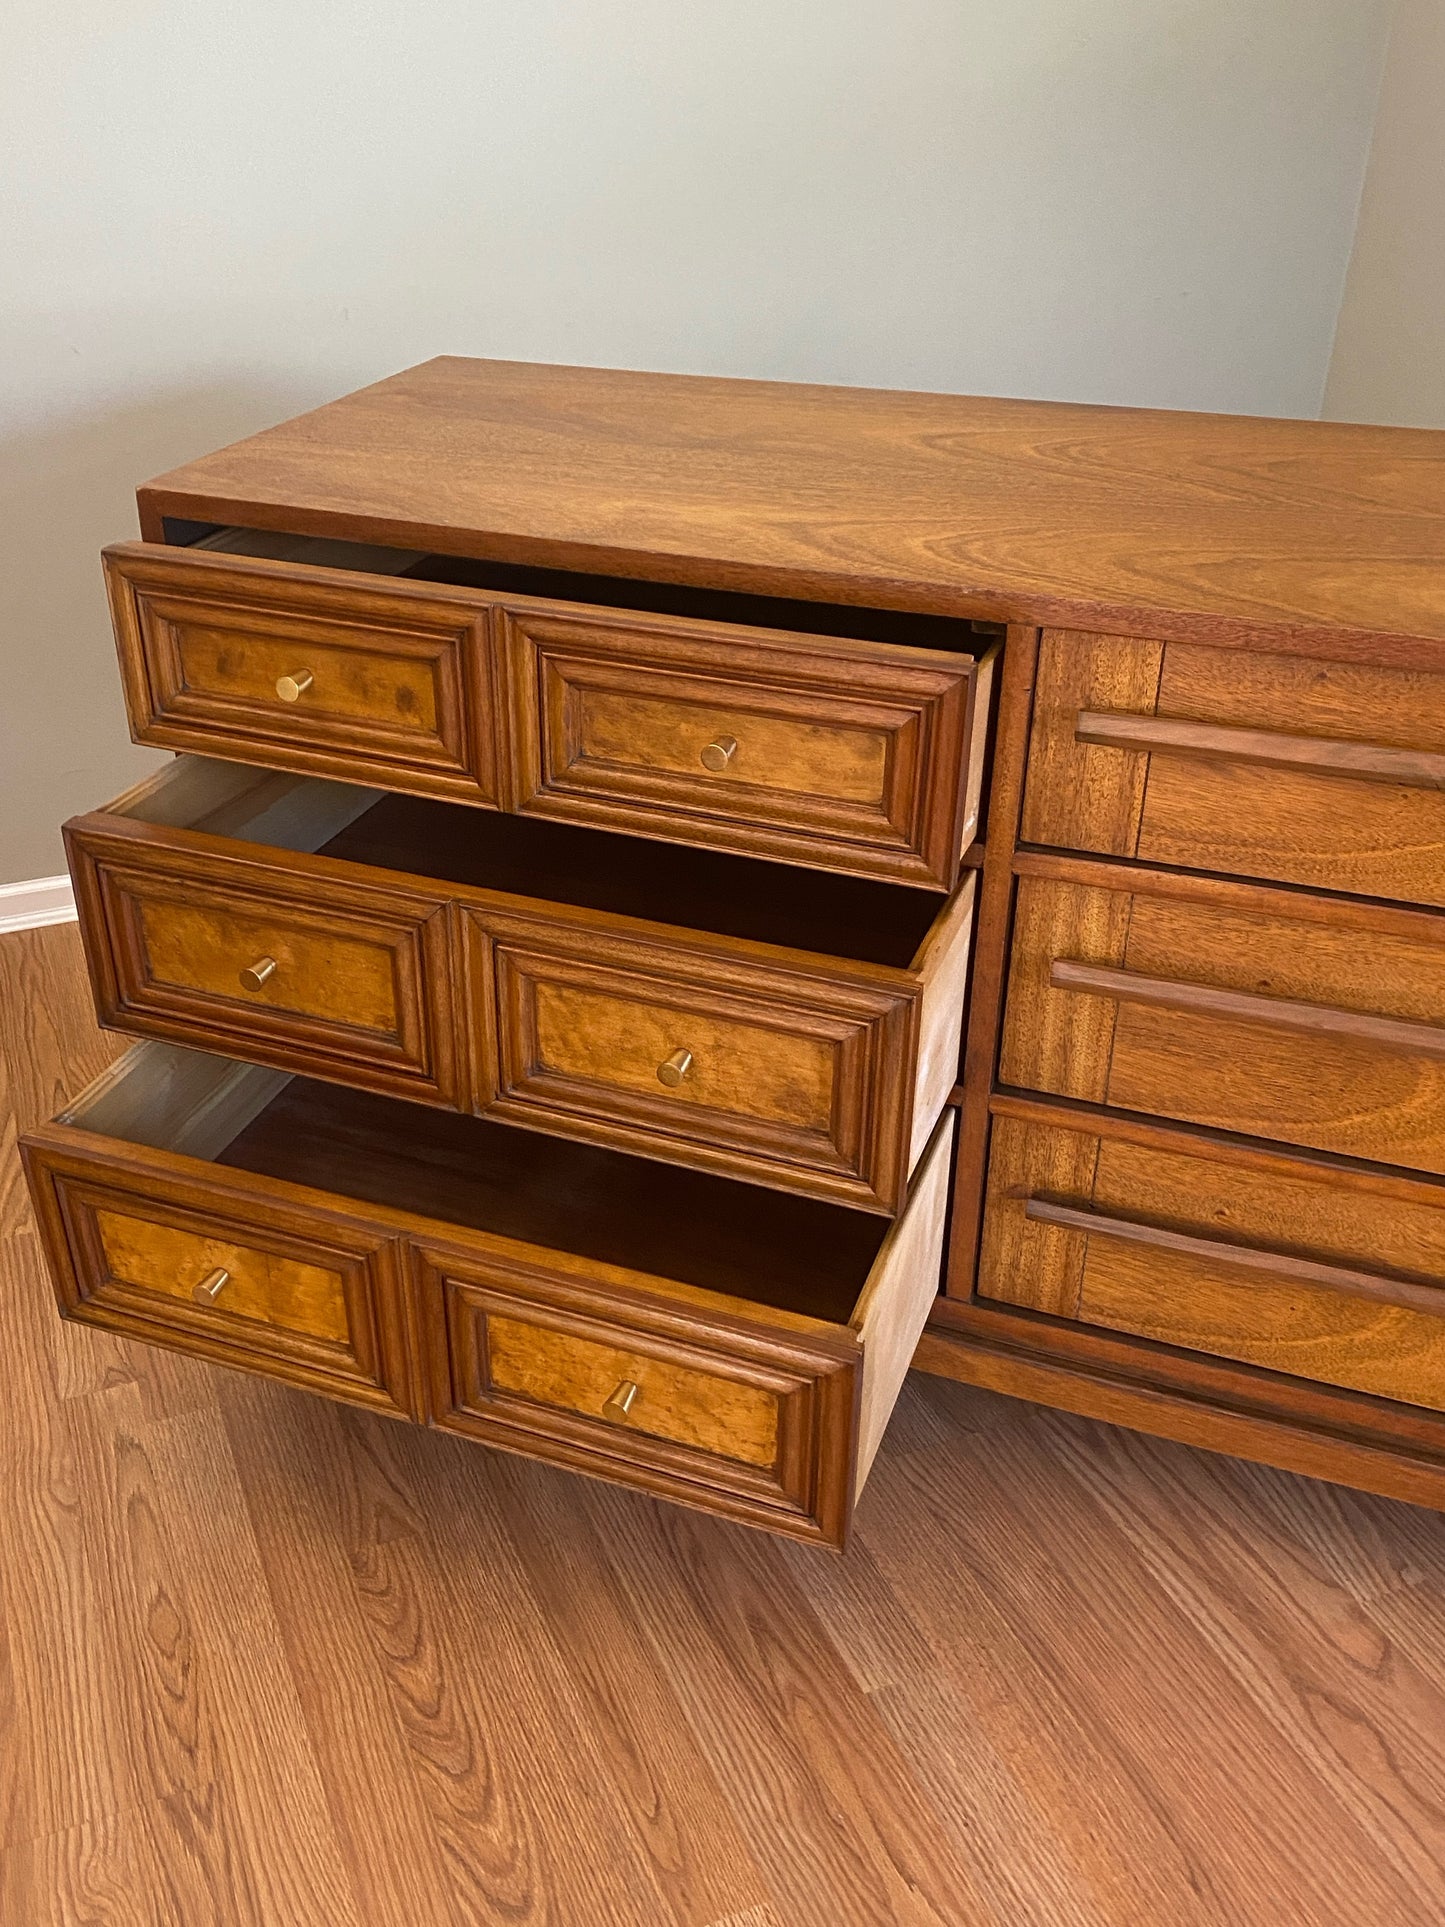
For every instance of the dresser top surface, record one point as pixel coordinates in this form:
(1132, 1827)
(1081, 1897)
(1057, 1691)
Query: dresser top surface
(1133, 520)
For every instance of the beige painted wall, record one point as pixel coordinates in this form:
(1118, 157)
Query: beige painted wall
(1389, 358)
(218, 215)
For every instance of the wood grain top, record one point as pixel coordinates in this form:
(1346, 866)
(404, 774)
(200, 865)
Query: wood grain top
(1138, 521)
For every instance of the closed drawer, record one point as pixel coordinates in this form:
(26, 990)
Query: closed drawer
(349, 982)
(734, 1349)
(1296, 1267)
(1285, 767)
(830, 751)
(1257, 1011)
(307, 668)
(395, 944)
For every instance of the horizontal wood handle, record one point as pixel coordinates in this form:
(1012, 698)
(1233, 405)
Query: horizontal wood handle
(1267, 748)
(1247, 1006)
(1219, 1251)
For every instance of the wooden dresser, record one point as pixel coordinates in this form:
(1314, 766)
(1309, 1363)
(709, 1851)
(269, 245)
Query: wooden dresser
(677, 898)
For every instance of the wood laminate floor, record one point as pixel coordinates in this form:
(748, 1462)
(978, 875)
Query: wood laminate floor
(268, 1663)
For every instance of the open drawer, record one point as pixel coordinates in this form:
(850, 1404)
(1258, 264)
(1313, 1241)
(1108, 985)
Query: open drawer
(792, 1028)
(839, 738)
(734, 1349)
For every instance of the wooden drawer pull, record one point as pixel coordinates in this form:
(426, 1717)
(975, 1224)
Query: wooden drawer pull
(622, 1402)
(1278, 1264)
(672, 1070)
(719, 753)
(255, 976)
(292, 688)
(1284, 1013)
(1319, 755)
(211, 1286)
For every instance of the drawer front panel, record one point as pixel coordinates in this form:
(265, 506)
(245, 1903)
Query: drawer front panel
(320, 973)
(844, 755)
(1239, 1010)
(307, 669)
(173, 1264)
(1280, 767)
(781, 1079)
(663, 1399)
(310, 981)
(480, 1278)
(756, 1425)
(1300, 1273)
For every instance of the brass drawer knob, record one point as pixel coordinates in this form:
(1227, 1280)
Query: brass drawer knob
(622, 1402)
(719, 753)
(258, 973)
(211, 1286)
(292, 688)
(672, 1070)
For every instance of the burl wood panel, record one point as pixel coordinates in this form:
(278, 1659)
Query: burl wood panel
(1287, 1322)
(798, 1076)
(1125, 520)
(1315, 823)
(349, 684)
(712, 1414)
(569, 1341)
(313, 1299)
(361, 987)
(319, 972)
(278, 1291)
(748, 1405)
(1300, 1056)
(736, 1066)
(799, 748)
(403, 684)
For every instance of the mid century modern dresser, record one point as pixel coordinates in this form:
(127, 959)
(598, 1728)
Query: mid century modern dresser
(676, 899)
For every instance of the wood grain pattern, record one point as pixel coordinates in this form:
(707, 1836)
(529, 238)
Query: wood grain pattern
(403, 676)
(990, 957)
(790, 1470)
(361, 987)
(1394, 1351)
(730, 1420)
(1209, 1249)
(155, 1257)
(1229, 1009)
(309, 1301)
(1313, 818)
(1219, 1258)
(740, 1407)
(1009, 510)
(815, 1073)
(902, 1290)
(318, 974)
(841, 752)
(1079, 794)
(800, 1077)
(473, 1686)
(854, 755)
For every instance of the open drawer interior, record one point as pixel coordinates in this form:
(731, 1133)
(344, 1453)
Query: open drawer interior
(793, 1254)
(735, 1349)
(705, 890)
(798, 617)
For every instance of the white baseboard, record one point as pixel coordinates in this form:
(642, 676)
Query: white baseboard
(25, 906)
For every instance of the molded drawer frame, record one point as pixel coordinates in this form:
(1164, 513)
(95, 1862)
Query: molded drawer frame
(143, 1140)
(894, 1031)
